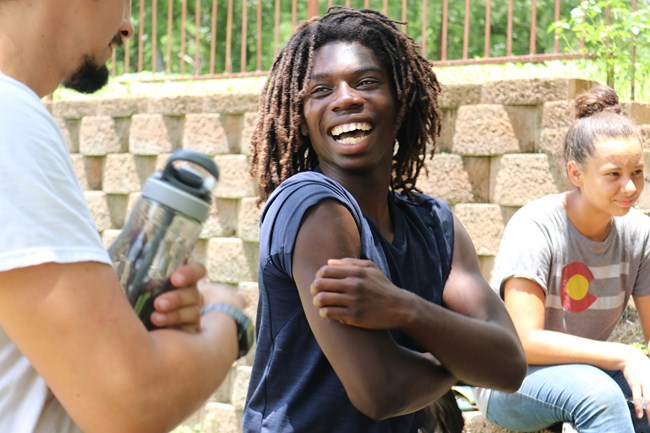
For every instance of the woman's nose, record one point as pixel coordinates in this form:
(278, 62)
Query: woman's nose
(629, 186)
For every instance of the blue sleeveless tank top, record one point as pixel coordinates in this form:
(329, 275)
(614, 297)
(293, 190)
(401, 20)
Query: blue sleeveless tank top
(293, 388)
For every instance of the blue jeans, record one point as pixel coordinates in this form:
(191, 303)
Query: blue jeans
(593, 400)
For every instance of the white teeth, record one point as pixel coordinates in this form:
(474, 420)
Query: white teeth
(356, 126)
(350, 140)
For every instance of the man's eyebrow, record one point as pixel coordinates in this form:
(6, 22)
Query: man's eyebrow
(363, 70)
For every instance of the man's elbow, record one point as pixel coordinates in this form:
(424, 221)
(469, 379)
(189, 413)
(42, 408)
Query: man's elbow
(377, 409)
(514, 375)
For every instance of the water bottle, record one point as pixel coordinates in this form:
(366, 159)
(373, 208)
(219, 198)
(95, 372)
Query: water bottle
(163, 228)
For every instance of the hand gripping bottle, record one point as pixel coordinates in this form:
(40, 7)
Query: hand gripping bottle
(162, 229)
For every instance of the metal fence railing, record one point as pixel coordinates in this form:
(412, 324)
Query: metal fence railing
(228, 38)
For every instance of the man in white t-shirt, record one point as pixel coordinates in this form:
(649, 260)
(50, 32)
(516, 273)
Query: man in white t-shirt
(73, 355)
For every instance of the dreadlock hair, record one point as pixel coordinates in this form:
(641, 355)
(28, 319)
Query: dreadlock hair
(278, 148)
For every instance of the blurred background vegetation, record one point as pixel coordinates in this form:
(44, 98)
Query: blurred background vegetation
(196, 41)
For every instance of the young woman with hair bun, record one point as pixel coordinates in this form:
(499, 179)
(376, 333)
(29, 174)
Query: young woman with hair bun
(567, 266)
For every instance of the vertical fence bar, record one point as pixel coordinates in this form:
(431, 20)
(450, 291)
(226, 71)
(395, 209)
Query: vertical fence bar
(183, 29)
(445, 22)
(244, 36)
(385, 7)
(127, 56)
(509, 31)
(533, 27)
(197, 38)
(154, 36)
(633, 61)
(276, 27)
(294, 14)
(170, 18)
(366, 4)
(229, 38)
(213, 36)
(556, 36)
(258, 65)
(468, 6)
(312, 8)
(488, 30)
(140, 35)
(404, 5)
(423, 43)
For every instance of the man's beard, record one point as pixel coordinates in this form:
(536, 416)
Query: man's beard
(89, 78)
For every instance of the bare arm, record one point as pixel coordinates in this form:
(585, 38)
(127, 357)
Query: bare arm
(381, 378)
(525, 302)
(471, 335)
(76, 327)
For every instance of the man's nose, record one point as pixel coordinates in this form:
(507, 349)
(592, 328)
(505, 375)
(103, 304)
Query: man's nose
(347, 97)
(126, 30)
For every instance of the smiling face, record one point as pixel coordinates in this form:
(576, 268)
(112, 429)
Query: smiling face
(349, 110)
(612, 180)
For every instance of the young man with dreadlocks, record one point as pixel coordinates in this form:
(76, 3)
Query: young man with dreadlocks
(371, 301)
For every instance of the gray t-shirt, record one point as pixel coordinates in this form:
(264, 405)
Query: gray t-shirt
(587, 284)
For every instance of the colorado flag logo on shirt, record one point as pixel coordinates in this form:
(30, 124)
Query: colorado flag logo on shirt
(574, 288)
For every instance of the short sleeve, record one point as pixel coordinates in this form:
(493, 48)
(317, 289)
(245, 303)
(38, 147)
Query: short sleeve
(286, 208)
(42, 206)
(524, 252)
(642, 239)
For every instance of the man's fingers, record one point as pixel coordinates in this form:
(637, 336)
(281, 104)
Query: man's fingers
(176, 299)
(188, 274)
(186, 318)
(350, 261)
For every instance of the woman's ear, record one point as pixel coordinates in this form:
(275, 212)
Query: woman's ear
(575, 173)
(303, 128)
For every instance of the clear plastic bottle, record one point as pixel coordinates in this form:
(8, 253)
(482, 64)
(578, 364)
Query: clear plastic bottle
(162, 229)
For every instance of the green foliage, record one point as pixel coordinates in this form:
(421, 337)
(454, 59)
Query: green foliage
(615, 35)
(186, 37)
(642, 347)
(188, 429)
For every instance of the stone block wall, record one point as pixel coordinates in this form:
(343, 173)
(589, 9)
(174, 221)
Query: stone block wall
(498, 150)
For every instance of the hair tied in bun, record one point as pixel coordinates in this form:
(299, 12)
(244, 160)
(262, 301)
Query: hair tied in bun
(595, 100)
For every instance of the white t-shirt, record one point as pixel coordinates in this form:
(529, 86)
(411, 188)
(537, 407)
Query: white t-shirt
(43, 218)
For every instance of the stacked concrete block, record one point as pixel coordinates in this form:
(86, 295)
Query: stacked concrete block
(500, 147)
(516, 179)
(534, 91)
(454, 178)
(205, 133)
(484, 129)
(155, 133)
(100, 135)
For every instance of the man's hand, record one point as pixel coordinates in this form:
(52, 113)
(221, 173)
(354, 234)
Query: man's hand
(181, 308)
(355, 292)
(215, 293)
